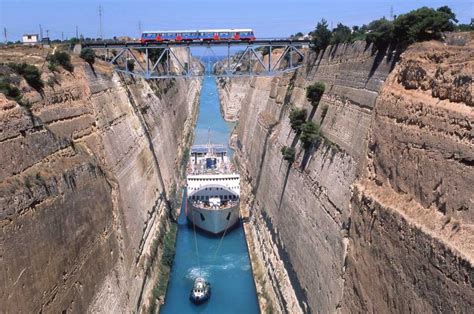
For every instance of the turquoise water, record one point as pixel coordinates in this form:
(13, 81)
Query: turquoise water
(225, 264)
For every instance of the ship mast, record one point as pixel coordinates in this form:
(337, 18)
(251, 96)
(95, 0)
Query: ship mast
(209, 147)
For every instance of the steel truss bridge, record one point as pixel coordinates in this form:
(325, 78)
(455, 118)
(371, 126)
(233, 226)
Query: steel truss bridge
(174, 59)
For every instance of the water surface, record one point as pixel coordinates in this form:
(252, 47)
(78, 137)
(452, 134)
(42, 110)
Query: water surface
(224, 262)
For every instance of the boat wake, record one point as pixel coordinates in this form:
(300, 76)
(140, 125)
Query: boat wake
(230, 262)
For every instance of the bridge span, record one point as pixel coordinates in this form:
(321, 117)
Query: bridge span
(165, 60)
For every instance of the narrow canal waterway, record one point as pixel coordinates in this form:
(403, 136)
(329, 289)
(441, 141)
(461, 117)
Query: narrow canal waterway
(225, 264)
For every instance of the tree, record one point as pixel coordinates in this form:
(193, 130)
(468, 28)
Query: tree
(88, 55)
(288, 153)
(297, 118)
(423, 24)
(321, 36)
(341, 34)
(380, 33)
(315, 92)
(309, 134)
(74, 41)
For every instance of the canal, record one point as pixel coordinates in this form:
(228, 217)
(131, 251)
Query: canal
(225, 264)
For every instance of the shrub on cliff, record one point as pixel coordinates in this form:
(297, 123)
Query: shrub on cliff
(9, 90)
(30, 73)
(423, 24)
(288, 153)
(62, 58)
(341, 34)
(309, 134)
(297, 118)
(88, 55)
(321, 36)
(315, 92)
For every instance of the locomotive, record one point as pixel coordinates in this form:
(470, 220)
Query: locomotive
(198, 35)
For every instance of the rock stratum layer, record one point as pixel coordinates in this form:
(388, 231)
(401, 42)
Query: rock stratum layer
(377, 216)
(89, 170)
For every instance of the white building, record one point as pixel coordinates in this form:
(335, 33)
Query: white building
(30, 39)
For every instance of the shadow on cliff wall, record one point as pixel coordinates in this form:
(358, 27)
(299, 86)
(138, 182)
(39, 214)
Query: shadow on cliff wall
(392, 52)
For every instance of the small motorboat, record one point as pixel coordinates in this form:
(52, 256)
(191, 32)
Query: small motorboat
(201, 291)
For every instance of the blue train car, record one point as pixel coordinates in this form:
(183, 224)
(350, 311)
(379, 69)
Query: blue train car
(198, 35)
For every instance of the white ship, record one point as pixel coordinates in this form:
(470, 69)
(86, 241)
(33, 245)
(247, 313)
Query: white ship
(213, 189)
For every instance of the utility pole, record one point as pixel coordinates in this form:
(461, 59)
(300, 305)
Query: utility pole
(77, 32)
(41, 32)
(139, 28)
(62, 36)
(391, 12)
(47, 33)
(5, 34)
(101, 34)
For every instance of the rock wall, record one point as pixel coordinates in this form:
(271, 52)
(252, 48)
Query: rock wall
(377, 217)
(89, 168)
(303, 209)
(412, 211)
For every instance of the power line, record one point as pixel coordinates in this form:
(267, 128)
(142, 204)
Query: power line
(77, 32)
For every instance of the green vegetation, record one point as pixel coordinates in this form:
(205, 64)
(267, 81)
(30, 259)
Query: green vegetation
(30, 73)
(380, 33)
(465, 27)
(60, 58)
(423, 24)
(321, 37)
(74, 41)
(315, 92)
(341, 34)
(167, 257)
(288, 153)
(418, 25)
(88, 55)
(310, 134)
(9, 90)
(297, 118)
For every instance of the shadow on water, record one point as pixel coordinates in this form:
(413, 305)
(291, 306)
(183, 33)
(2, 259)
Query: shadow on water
(229, 271)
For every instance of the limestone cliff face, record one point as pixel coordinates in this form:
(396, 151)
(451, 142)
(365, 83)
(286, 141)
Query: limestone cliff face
(411, 247)
(329, 225)
(87, 170)
(302, 211)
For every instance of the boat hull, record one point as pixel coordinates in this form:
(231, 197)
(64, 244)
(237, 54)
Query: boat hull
(214, 221)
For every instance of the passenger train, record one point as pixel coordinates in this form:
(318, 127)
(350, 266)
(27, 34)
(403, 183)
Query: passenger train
(198, 35)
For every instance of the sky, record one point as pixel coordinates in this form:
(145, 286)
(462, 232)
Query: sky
(268, 18)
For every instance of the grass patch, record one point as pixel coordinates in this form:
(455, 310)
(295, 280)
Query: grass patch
(167, 257)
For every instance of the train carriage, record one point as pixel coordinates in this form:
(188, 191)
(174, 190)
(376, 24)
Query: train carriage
(198, 35)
